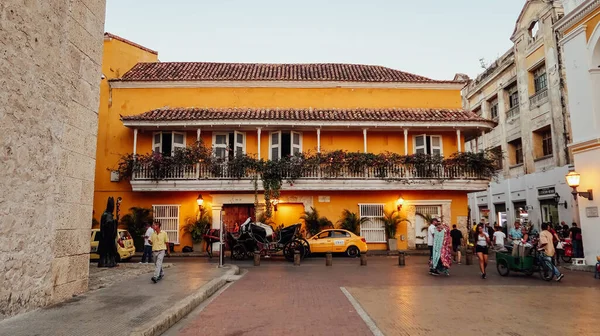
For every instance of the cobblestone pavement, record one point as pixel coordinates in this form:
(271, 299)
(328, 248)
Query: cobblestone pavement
(277, 298)
(104, 277)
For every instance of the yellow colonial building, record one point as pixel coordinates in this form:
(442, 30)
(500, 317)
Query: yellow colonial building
(322, 119)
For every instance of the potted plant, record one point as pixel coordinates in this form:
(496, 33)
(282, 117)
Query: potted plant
(391, 220)
(351, 221)
(198, 228)
(313, 223)
(135, 222)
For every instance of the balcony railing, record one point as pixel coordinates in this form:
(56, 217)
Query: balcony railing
(513, 112)
(323, 171)
(538, 98)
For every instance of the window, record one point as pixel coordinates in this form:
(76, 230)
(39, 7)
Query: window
(547, 143)
(168, 216)
(325, 234)
(542, 142)
(494, 108)
(516, 151)
(283, 144)
(539, 79)
(340, 234)
(226, 145)
(513, 96)
(167, 142)
(428, 144)
(372, 230)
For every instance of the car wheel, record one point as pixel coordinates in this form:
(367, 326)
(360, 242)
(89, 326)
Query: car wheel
(353, 252)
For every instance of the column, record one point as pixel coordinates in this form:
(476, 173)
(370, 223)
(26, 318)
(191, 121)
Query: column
(198, 133)
(318, 140)
(135, 132)
(258, 133)
(365, 139)
(405, 141)
(216, 221)
(483, 140)
(458, 142)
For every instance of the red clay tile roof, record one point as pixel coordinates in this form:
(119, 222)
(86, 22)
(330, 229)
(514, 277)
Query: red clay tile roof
(109, 35)
(331, 115)
(205, 71)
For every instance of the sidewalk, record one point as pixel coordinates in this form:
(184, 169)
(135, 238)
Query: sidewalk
(133, 307)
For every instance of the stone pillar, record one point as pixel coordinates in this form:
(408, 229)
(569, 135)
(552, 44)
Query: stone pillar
(216, 222)
(52, 52)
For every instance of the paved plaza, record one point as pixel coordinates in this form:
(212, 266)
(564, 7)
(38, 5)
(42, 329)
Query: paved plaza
(277, 298)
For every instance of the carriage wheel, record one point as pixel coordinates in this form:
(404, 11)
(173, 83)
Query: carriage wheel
(502, 267)
(238, 252)
(291, 247)
(306, 245)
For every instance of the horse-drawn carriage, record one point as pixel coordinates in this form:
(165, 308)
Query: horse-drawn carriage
(261, 238)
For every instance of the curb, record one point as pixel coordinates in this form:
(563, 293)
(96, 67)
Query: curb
(179, 310)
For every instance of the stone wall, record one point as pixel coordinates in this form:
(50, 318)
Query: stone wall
(50, 55)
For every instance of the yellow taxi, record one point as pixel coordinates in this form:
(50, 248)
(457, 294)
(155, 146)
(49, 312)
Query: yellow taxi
(124, 242)
(338, 241)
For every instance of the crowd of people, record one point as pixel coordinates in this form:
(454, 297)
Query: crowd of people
(445, 243)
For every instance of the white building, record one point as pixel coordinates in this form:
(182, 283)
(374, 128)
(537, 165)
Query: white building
(524, 91)
(580, 32)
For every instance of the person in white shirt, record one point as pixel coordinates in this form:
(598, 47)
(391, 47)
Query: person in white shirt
(430, 233)
(147, 256)
(499, 238)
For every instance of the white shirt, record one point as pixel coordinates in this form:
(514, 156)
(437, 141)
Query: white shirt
(481, 241)
(430, 232)
(499, 237)
(148, 234)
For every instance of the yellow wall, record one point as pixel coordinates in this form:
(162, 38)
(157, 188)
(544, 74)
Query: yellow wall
(115, 140)
(535, 57)
(591, 21)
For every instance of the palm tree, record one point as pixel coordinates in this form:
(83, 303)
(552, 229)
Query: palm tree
(351, 221)
(136, 221)
(313, 223)
(391, 220)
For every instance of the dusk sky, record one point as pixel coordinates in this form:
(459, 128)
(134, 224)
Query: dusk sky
(433, 38)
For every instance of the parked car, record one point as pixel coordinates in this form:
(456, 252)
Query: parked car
(338, 241)
(124, 242)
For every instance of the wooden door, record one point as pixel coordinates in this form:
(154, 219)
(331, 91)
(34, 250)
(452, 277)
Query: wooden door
(237, 214)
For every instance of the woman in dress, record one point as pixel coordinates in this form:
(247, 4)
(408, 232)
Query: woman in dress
(442, 250)
(482, 244)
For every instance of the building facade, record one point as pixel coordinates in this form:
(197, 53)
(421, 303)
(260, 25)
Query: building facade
(272, 112)
(579, 30)
(524, 91)
(50, 65)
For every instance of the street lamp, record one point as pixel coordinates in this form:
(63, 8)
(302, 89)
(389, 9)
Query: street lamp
(573, 182)
(399, 203)
(557, 200)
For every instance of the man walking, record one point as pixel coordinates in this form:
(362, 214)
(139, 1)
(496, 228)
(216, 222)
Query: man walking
(545, 244)
(430, 237)
(159, 242)
(147, 256)
(499, 237)
(457, 242)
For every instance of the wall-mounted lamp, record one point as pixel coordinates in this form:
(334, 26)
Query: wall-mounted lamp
(558, 202)
(399, 203)
(275, 202)
(200, 202)
(573, 182)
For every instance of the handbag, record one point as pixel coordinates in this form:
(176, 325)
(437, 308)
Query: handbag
(559, 245)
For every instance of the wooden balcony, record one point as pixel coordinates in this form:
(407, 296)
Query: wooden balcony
(319, 177)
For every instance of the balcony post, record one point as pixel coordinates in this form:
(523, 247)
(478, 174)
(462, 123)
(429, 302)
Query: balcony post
(405, 141)
(135, 132)
(258, 133)
(365, 139)
(458, 140)
(198, 133)
(483, 140)
(318, 140)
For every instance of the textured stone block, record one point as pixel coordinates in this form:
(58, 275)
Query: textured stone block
(70, 268)
(71, 242)
(69, 190)
(81, 14)
(79, 166)
(73, 139)
(66, 291)
(87, 192)
(75, 216)
(82, 117)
